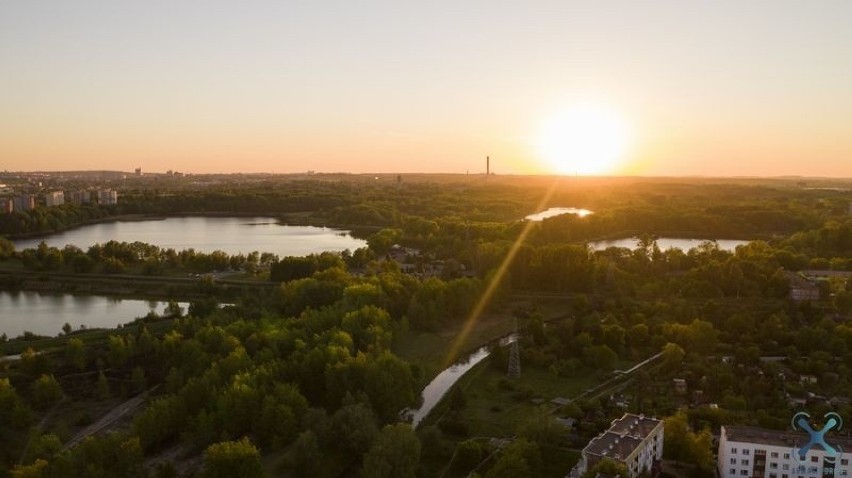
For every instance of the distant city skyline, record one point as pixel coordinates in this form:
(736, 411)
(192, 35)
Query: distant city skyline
(758, 88)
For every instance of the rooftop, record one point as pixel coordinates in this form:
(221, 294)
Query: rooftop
(631, 424)
(613, 445)
(623, 436)
(763, 436)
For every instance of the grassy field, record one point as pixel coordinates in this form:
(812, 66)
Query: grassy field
(497, 406)
(432, 350)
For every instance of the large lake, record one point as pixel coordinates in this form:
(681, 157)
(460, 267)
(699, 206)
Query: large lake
(232, 235)
(666, 243)
(45, 314)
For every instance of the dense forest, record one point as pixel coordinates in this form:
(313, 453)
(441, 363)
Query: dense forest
(312, 376)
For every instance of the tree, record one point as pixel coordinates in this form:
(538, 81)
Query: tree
(354, 426)
(520, 459)
(75, 353)
(102, 387)
(174, 310)
(672, 357)
(137, 379)
(608, 467)
(232, 459)
(46, 391)
(14, 413)
(395, 453)
(305, 455)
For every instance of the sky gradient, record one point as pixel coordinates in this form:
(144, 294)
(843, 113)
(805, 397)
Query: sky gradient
(727, 88)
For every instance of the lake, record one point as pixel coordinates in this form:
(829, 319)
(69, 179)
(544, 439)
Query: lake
(45, 314)
(666, 243)
(557, 211)
(232, 235)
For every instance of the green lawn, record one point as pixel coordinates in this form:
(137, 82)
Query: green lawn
(497, 406)
(432, 349)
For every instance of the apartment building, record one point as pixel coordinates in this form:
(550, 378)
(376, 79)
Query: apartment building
(54, 198)
(107, 197)
(635, 440)
(24, 202)
(80, 197)
(761, 453)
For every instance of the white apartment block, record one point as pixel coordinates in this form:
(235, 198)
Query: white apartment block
(107, 197)
(55, 198)
(760, 453)
(635, 440)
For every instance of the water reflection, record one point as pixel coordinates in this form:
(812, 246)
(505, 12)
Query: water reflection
(232, 235)
(45, 314)
(667, 242)
(557, 211)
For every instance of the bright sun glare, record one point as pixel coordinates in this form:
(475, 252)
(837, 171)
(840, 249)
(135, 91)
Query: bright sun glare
(585, 140)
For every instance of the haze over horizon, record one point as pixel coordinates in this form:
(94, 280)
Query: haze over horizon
(757, 88)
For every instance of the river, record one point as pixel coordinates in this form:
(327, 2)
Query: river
(444, 381)
(232, 235)
(45, 314)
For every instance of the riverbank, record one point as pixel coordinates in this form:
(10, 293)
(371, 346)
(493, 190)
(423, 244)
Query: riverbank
(126, 285)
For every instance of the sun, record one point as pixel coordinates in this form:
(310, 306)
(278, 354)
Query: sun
(583, 140)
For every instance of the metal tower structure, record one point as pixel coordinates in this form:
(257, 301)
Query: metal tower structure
(514, 356)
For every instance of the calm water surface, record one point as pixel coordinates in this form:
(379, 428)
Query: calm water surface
(441, 384)
(666, 243)
(45, 314)
(557, 211)
(232, 235)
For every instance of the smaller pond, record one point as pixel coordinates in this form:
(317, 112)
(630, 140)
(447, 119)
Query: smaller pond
(441, 384)
(666, 243)
(45, 314)
(557, 211)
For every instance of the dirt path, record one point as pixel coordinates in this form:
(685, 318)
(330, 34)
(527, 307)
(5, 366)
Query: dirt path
(111, 417)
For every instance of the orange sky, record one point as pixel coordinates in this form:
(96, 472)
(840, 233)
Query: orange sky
(758, 88)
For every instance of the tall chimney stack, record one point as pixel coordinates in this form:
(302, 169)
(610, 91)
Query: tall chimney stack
(487, 165)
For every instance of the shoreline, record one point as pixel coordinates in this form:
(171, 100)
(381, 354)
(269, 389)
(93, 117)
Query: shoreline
(282, 219)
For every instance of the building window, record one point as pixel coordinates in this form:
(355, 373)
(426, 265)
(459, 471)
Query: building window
(746, 451)
(733, 461)
(773, 465)
(773, 475)
(774, 454)
(744, 472)
(744, 462)
(814, 459)
(785, 466)
(734, 451)
(844, 461)
(786, 456)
